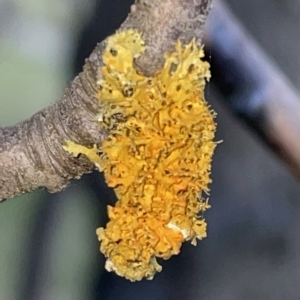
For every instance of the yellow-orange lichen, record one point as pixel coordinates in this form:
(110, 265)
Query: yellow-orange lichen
(157, 156)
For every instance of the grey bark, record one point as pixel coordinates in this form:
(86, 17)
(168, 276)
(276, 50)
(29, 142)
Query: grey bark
(31, 152)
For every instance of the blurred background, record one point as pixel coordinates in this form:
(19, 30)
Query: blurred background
(48, 246)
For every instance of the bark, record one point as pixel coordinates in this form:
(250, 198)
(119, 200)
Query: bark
(31, 152)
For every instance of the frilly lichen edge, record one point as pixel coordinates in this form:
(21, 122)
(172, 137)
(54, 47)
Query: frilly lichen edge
(157, 156)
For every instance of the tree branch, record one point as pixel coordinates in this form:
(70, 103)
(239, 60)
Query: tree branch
(31, 152)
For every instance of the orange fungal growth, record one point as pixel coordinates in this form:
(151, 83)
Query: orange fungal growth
(157, 156)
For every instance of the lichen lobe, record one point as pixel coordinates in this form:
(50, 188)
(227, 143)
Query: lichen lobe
(157, 156)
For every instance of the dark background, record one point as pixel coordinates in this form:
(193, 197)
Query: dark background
(48, 245)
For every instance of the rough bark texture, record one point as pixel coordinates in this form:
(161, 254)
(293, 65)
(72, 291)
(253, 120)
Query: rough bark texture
(31, 152)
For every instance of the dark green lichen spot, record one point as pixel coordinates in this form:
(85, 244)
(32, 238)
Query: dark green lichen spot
(173, 68)
(127, 92)
(113, 52)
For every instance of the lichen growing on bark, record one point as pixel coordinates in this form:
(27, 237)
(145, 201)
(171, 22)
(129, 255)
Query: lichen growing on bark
(157, 156)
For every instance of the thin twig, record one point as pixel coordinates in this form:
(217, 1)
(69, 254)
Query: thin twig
(253, 87)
